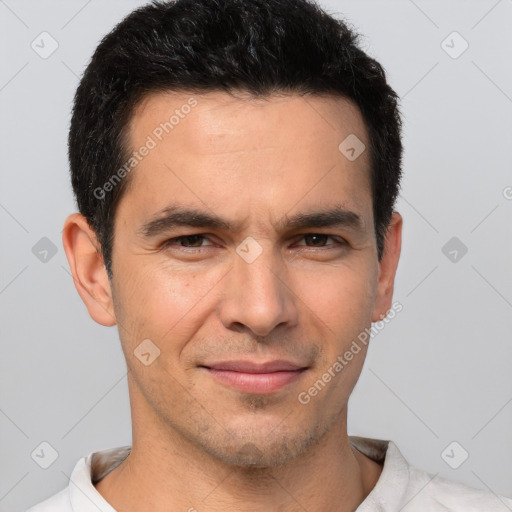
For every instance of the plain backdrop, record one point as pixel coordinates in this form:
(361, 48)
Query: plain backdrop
(437, 379)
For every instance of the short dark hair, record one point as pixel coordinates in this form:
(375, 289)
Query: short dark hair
(261, 47)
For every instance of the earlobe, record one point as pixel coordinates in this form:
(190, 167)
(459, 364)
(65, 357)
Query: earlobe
(88, 269)
(387, 267)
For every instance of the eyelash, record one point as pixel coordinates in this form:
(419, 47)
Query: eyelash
(169, 243)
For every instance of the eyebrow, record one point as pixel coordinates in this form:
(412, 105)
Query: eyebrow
(178, 216)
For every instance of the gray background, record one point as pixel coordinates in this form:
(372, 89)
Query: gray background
(440, 372)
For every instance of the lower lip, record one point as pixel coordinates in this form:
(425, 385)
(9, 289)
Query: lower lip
(260, 383)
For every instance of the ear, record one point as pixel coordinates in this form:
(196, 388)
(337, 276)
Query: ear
(88, 269)
(387, 267)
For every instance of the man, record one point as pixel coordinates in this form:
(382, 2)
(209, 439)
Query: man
(236, 164)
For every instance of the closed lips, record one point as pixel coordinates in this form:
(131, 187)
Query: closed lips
(252, 367)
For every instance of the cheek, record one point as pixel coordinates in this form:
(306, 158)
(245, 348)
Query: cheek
(342, 305)
(342, 298)
(165, 304)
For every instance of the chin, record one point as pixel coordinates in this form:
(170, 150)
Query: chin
(257, 447)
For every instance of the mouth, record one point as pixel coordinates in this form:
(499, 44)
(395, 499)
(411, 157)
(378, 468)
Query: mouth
(255, 378)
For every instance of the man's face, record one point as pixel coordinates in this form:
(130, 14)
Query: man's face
(262, 291)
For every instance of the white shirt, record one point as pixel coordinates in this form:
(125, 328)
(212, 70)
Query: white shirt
(400, 487)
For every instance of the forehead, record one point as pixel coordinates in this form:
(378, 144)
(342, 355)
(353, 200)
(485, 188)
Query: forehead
(218, 117)
(239, 151)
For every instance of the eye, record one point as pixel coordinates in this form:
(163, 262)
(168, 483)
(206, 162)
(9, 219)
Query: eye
(187, 241)
(313, 240)
(318, 240)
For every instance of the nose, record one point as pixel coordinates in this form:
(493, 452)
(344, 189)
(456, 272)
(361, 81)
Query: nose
(258, 295)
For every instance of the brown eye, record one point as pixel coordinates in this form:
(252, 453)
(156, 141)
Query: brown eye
(187, 241)
(319, 240)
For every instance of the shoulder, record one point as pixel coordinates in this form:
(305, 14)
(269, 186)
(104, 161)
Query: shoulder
(405, 487)
(428, 491)
(81, 495)
(59, 502)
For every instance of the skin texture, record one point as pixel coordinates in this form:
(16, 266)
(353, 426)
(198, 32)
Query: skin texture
(199, 444)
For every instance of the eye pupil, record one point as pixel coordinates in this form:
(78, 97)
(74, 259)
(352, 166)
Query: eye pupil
(197, 238)
(315, 236)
